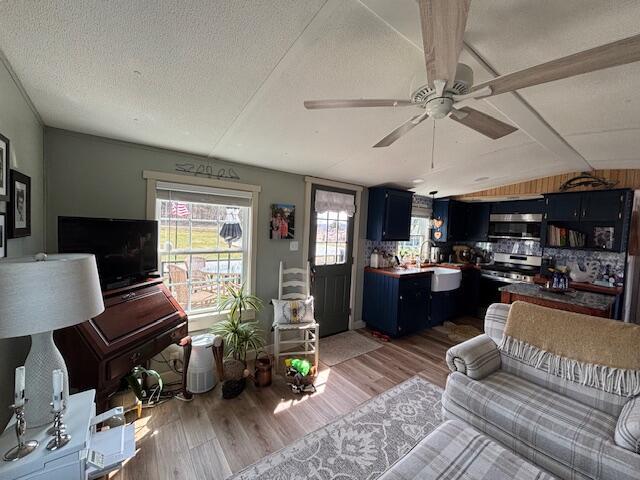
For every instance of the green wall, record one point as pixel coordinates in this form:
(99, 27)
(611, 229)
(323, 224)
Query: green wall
(23, 129)
(94, 176)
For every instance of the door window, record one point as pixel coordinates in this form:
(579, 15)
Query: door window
(331, 238)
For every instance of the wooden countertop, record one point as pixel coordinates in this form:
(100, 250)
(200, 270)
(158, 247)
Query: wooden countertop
(411, 270)
(586, 287)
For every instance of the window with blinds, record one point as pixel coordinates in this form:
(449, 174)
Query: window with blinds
(203, 242)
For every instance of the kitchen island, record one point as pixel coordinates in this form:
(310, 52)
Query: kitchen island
(596, 304)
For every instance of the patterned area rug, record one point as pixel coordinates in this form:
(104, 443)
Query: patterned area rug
(361, 445)
(458, 333)
(343, 346)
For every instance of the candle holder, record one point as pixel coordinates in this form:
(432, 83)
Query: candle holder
(23, 448)
(58, 424)
(58, 430)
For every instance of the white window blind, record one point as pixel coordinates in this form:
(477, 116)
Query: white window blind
(335, 202)
(198, 194)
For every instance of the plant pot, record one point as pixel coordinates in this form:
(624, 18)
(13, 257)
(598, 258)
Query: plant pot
(262, 375)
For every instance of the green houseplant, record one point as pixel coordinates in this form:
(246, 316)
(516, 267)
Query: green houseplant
(239, 336)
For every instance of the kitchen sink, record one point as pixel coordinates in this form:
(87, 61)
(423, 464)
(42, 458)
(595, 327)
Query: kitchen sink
(444, 279)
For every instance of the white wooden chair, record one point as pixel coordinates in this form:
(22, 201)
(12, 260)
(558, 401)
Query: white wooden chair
(309, 340)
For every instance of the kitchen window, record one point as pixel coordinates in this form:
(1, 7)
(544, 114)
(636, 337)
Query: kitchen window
(203, 243)
(420, 229)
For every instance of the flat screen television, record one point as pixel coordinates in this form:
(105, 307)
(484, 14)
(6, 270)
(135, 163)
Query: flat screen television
(125, 250)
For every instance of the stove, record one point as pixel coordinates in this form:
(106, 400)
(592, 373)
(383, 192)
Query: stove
(512, 268)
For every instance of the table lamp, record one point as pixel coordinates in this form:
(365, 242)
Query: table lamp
(38, 295)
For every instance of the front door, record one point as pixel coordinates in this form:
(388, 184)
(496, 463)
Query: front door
(331, 258)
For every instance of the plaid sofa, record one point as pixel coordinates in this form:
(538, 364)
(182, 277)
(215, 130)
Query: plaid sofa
(570, 430)
(457, 451)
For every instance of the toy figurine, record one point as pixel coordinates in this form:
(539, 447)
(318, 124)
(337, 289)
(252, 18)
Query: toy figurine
(301, 374)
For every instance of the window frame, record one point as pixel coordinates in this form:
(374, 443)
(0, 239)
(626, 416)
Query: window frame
(203, 320)
(423, 237)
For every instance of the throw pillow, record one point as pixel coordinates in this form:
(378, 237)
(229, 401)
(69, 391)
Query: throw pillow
(293, 311)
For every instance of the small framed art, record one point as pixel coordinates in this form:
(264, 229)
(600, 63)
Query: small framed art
(282, 224)
(5, 160)
(3, 235)
(19, 205)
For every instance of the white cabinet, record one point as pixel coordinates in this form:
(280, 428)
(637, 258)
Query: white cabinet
(73, 461)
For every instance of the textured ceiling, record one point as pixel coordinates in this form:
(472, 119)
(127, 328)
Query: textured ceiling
(228, 78)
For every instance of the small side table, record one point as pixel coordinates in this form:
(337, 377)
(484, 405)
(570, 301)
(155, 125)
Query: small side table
(71, 462)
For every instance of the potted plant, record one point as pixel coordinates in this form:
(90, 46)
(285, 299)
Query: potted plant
(239, 336)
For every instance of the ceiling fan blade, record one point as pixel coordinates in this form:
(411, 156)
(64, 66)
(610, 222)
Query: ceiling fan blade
(482, 123)
(605, 56)
(443, 23)
(363, 102)
(401, 130)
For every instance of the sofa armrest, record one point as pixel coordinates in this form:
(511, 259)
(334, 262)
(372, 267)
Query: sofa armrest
(627, 433)
(476, 357)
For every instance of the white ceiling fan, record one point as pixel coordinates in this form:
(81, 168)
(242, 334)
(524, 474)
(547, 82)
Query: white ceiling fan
(450, 84)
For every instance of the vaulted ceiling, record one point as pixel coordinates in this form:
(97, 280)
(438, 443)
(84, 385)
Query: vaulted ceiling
(227, 79)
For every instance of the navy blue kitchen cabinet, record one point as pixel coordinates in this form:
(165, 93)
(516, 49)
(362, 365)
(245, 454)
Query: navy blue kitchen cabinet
(441, 213)
(477, 224)
(389, 214)
(585, 212)
(461, 221)
(444, 307)
(396, 305)
(563, 207)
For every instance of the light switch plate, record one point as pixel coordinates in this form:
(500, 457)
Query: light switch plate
(293, 246)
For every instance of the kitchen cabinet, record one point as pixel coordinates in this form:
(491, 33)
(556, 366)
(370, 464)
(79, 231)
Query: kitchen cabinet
(444, 306)
(477, 224)
(605, 206)
(395, 305)
(468, 300)
(597, 206)
(461, 221)
(563, 207)
(584, 212)
(389, 214)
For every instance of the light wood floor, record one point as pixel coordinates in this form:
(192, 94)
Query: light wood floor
(209, 438)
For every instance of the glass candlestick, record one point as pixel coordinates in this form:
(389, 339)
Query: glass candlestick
(23, 448)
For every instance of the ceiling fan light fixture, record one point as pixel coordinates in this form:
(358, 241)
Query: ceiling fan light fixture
(439, 107)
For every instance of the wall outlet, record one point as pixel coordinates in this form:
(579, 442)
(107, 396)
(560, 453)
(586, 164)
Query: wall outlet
(293, 246)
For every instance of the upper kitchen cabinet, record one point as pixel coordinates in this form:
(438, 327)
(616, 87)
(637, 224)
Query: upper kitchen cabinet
(596, 206)
(389, 216)
(605, 206)
(477, 221)
(460, 221)
(595, 220)
(563, 207)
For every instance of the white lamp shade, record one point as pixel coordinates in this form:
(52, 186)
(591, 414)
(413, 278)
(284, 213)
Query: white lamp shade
(41, 296)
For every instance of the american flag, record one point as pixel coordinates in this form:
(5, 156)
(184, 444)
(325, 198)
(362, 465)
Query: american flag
(179, 209)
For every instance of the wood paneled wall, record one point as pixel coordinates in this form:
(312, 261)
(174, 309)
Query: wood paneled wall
(626, 179)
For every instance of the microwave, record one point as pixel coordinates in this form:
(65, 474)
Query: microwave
(515, 226)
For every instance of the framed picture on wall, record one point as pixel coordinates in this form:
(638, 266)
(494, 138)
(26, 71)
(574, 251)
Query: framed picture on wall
(19, 207)
(3, 235)
(5, 161)
(283, 221)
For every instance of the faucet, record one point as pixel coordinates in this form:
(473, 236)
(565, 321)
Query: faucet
(429, 241)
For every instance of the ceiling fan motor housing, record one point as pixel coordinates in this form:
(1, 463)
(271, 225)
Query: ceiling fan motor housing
(439, 107)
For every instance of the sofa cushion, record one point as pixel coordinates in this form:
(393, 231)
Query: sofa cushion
(628, 427)
(456, 450)
(569, 432)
